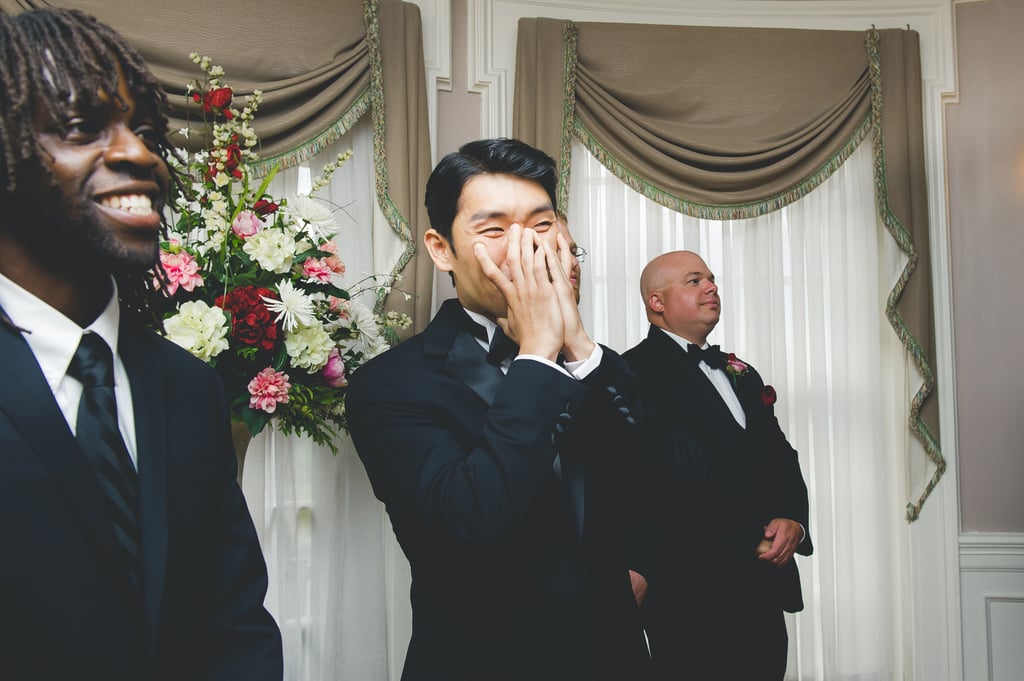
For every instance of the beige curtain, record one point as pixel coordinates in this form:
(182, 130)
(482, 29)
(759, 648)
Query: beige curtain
(322, 64)
(732, 123)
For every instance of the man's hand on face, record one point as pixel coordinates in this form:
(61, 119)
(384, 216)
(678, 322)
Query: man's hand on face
(577, 344)
(534, 318)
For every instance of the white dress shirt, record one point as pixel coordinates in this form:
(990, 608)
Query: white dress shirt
(719, 379)
(54, 339)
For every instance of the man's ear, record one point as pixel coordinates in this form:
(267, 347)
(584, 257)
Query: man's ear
(439, 249)
(655, 303)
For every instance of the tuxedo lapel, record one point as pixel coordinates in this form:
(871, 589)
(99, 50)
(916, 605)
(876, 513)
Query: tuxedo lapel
(151, 408)
(463, 357)
(686, 382)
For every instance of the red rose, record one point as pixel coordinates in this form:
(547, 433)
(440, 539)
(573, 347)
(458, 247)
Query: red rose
(768, 395)
(264, 207)
(233, 158)
(251, 322)
(217, 98)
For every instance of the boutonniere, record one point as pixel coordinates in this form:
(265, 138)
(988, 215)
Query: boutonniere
(734, 367)
(768, 395)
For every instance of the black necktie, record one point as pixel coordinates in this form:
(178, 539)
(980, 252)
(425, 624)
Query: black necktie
(100, 439)
(711, 356)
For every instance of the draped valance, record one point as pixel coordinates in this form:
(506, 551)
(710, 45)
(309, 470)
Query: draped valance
(322, 65)
(731, 123)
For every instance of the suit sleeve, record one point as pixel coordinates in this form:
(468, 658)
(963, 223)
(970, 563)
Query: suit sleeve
(788, 491)
(608, 435)
(440, 459)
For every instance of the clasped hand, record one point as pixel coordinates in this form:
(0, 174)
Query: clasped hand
(542, 315)
(781, 537)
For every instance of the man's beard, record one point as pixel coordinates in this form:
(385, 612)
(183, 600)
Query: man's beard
(87, 246)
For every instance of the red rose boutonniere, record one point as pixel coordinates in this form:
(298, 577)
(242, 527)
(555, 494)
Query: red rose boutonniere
(768, 395)
(734, 367)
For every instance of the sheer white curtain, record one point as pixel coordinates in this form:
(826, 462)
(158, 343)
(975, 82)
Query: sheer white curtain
(339, 584)
(803, 293)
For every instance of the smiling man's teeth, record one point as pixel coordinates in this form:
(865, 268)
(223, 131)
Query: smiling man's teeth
(136, 204)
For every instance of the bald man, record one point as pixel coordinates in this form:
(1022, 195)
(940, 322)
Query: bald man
(735, 512)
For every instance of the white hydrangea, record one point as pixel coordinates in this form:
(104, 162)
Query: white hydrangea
(199, 328)
(309, 347)
(272, 249)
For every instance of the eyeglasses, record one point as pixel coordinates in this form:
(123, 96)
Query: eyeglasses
(579, 253)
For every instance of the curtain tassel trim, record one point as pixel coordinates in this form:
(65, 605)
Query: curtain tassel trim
(903, 239)
(398, 222)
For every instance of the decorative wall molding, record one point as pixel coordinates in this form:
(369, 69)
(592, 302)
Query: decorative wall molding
(992, 589)
(436, 18)
(992, 552)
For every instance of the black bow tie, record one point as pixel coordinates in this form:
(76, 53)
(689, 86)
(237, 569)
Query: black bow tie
(712, 355)
(502, 347)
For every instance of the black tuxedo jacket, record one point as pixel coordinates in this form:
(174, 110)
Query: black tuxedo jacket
(66, 613)
(516, 574)
(720, 494)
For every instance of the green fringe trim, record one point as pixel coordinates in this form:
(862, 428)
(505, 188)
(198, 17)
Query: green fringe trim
(906, 244)
(398, 223)
(317, 144)
(570, 35)
(705, 211)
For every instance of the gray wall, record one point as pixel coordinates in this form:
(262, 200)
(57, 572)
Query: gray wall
(985, 157)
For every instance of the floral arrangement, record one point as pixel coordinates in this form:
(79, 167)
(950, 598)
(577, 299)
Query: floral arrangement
(252, 282)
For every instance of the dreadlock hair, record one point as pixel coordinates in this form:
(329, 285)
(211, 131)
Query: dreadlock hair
(49, 58)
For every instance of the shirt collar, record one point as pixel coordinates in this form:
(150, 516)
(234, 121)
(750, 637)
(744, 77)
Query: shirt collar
(489, 324)
(680, 340)
(53, 337)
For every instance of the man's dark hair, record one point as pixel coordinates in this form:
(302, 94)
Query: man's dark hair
(50, 57)
(501, 156)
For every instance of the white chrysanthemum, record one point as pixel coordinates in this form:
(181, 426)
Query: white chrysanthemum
(367, 338)
(309, 347)
(273, 249)
(199, 328)
(294, 309)
(314, 217)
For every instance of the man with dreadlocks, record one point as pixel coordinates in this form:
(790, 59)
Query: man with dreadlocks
(128, 551)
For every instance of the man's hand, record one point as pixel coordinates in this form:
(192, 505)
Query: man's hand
(534, 317)
(577, 344)
(784, 535)
(639, 584)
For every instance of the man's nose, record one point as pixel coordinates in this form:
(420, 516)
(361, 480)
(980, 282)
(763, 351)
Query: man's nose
(127, 147)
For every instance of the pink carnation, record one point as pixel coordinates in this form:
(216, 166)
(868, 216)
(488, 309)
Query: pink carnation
(335, 263)
(334, 371)
(246, 224)
(182, 270)
(316, 270)
(268, 389)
